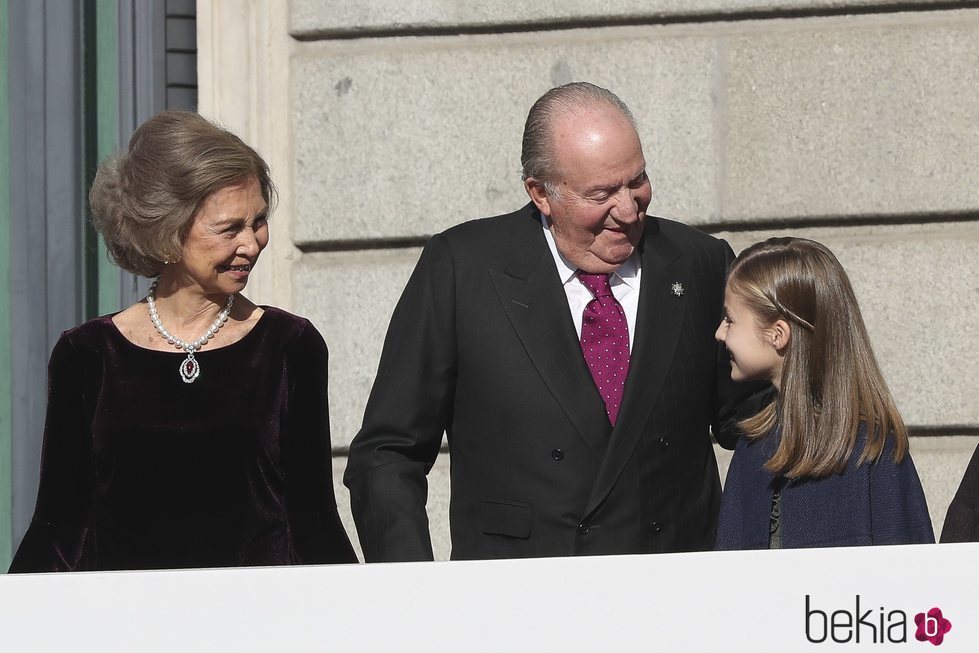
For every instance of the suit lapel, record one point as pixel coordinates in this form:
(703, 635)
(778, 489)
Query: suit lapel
(658, 323)
(535, 304)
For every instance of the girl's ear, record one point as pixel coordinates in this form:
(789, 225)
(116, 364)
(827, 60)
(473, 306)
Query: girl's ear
(781, 334)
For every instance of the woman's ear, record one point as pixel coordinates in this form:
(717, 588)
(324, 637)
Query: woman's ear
(781, 334)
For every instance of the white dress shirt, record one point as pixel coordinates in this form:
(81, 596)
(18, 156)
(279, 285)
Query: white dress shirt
(624, 282)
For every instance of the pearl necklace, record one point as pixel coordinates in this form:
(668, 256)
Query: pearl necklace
(190, 369)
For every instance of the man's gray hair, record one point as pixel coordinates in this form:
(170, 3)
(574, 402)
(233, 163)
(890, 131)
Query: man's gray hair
(537, 154)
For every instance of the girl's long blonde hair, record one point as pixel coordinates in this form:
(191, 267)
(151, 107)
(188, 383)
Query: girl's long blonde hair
(830, 379)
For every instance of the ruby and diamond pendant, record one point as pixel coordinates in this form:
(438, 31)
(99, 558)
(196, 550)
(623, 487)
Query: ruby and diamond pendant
(190, 369)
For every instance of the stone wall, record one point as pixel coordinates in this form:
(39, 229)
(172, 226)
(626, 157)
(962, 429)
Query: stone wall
(854, 123)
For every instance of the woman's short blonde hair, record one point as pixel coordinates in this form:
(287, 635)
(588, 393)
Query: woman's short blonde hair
(144, 200)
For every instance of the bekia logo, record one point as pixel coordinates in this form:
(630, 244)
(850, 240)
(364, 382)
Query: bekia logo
(932, 626)
(872, 625)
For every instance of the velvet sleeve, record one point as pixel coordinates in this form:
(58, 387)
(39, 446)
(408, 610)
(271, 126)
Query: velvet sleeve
(55, 539)
(317, 532)
(898, 510)
(408, 411)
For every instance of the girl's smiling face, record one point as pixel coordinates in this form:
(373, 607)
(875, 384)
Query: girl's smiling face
(755, 350)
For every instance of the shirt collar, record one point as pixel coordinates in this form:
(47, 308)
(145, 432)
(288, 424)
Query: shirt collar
(627, 272)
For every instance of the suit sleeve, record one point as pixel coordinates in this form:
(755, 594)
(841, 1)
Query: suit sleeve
(735, 401)
(409, 409)
(961, 520)
(317, 532)
(55, 539)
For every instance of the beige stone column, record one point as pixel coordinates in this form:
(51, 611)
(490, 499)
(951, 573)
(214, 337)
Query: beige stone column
(244, 83)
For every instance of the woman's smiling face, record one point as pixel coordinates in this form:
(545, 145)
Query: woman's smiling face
(225, 239)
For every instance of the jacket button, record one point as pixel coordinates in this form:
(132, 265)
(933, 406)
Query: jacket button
(583, 529)
(663, 443)
(557, 454)
(656, 527)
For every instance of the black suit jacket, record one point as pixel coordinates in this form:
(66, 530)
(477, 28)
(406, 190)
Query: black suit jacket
(962, 518)
(482, 346)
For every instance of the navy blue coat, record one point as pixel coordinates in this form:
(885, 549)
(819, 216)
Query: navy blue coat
(877, 503)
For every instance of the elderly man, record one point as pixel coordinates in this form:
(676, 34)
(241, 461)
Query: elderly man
(567, 350)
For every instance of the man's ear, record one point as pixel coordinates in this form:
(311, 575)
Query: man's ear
(781, 335)
(538, 195)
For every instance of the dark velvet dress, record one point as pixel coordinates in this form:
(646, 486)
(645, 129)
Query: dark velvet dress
(140, 470)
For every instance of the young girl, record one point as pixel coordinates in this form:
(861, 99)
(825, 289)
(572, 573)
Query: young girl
(825, 462)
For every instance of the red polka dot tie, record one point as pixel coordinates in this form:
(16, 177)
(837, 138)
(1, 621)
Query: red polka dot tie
(605, 341)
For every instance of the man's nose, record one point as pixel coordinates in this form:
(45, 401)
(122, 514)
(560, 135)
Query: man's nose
(626, 209)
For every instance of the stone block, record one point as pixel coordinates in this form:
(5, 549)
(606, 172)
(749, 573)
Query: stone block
(408, 136)
(756, 120)
(941, 463)
(723, 461)
(329, 289)
(917, 287)
(316, 18)
(438, 507)
(829, 118)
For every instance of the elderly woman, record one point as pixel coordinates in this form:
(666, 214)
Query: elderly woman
(191, 429)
